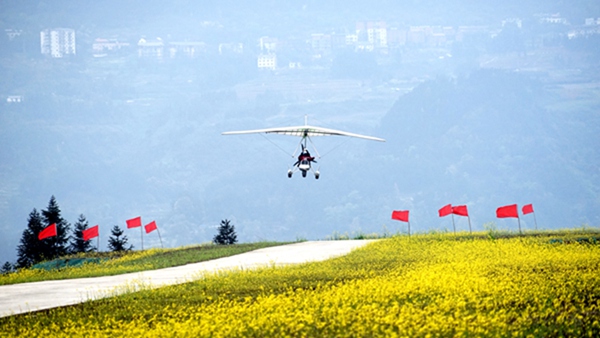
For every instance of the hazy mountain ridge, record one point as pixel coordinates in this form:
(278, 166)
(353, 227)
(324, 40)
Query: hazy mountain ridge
(489, 139)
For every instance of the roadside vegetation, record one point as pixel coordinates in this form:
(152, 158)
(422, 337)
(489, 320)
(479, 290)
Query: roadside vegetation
(95, 264)
(437, 284)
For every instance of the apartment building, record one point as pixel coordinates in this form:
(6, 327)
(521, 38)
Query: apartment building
(321, 43)
(373, 33)
(267, 61)
(58, 42)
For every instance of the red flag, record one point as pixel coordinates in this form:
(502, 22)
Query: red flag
(460, 210)
(150, 227)
(49, 231)
(527, 209)
(90, 233)
(507, 211)
(445, 210)
(134, 222)
(400, 215)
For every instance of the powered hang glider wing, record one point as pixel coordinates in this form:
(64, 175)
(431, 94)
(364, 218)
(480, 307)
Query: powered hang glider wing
(304, 131)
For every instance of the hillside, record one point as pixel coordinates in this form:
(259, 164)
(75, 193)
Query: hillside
(493, 138)
(434, 284)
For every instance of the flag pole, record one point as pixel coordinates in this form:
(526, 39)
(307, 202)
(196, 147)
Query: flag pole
(159, 237)
(408, 228)
(469, 218)
(534, 220)
(56, 247)
(142, 236)
(519, 220)
(453, 226)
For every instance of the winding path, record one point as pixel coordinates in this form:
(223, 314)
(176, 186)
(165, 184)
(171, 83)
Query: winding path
(35, 296)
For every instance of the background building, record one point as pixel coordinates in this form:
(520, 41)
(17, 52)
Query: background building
(267, 61)
(58, 42)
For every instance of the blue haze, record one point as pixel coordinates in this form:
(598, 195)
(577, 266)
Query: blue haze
(506, 116)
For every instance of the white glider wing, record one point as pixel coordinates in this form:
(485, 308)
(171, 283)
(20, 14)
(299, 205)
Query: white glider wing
(303, 131)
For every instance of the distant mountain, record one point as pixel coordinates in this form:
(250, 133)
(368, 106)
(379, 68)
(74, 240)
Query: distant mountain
(489, 139)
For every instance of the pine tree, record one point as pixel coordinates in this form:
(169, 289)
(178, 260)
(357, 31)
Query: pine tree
(226, 233)
(77, 243)
(31, 250)
(52, 215)
(116, 242)
(7, 268)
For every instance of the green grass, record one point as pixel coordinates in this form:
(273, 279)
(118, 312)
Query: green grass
(113, 263)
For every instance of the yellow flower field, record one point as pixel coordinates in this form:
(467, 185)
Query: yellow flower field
(427, 285)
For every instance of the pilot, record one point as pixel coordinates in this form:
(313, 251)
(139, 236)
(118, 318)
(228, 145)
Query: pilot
(304, 155)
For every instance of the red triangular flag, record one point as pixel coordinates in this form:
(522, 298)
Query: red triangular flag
(400, 215)
(445, 210)
(527, 209)
(49, 231)
(90, 233)
(150, 227)
(460, 210)
(507, 211)
(134, 222)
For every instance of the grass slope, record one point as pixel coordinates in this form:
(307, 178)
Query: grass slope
(434, 284)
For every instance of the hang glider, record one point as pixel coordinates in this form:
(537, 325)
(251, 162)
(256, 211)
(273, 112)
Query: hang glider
(305, 132)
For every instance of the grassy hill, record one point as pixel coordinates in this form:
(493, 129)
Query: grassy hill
(490, 284)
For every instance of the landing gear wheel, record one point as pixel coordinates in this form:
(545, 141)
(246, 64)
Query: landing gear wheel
(304, 174)
(317, 174)
(289, 174)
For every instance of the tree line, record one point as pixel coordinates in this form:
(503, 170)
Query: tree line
(32, 250)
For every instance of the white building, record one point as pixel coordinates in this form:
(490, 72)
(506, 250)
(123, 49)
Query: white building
(592, 21)
(186, 49)
(14, 99)
(514, 21)
(102, 47)
(234, 47)
(267, 61)
(373, 33)
(151, 49)
(268, 45)
(552, 19)
(13, 33)
(58, 42)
